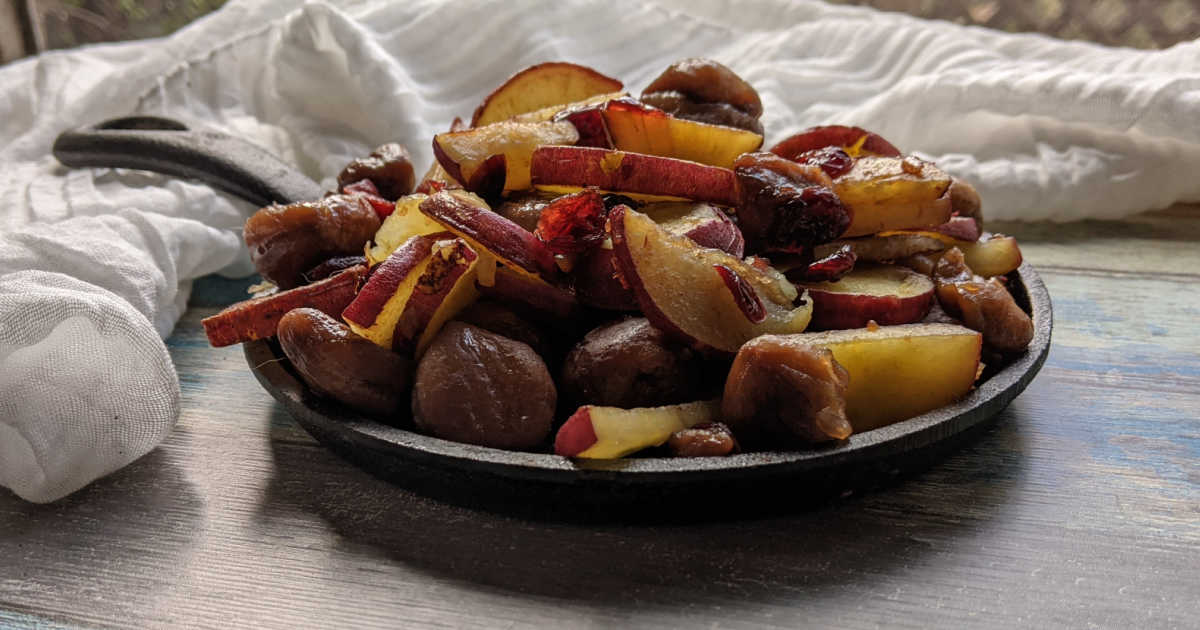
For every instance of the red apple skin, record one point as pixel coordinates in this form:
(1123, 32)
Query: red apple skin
(589, 122)
(839, 306)
(625, 261)
(387, 277)
(833, 136)
(960, 228)
(721, 233)
(610, 84)
(621, 171)
(597, 285)
(704, 223)
(507, 240)
(747, 300)
(553, 302)
(839, 311)
(450, 166)
(420, 309)
(488, 180)
(576, 435)
(258, 318)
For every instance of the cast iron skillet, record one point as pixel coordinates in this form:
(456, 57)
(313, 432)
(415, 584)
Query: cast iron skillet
(502, 479)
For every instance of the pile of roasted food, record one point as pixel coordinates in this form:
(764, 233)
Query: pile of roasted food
(596, 274)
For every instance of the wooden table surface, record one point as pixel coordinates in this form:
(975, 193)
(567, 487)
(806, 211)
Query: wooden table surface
(1080, 508)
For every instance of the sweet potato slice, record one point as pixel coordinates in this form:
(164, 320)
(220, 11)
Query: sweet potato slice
(259, 317)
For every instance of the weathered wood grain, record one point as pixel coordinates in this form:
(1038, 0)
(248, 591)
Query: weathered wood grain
(1081, 508)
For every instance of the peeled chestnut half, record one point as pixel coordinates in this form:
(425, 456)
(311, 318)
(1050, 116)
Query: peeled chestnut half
(339, 364)
(478, 387)
(630, 364)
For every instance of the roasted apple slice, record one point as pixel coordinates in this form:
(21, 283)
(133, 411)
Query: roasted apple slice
(469, 217)
(540, 86)
(638, 128)
(589, 122)
(700, 296)
(855, 141)
(563, 111)
(701, 222)
(897, 372)
(994, 256)
(888, 193)
(598, 281)
(479, 157)
(258, 318)
(531, 293)
(991, 255)
(435, 179)
(420, 286)
(896, 246)
(405, 222)
(609, 432)
(887, 294)
(566, 169)
(957, 228)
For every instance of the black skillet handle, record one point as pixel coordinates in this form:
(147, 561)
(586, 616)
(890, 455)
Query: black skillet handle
(162, 145)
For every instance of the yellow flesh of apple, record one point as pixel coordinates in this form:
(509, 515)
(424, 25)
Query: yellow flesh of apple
(883, 196)
(716, 145)
(682, 282)
(868, 279)
(547, 113)
(405, 222)
(620, 432)
(898, 372)
(681, 216)
(993, 257)
(540, 90)
(516, 140)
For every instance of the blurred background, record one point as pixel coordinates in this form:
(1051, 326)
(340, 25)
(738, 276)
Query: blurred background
(30, 26)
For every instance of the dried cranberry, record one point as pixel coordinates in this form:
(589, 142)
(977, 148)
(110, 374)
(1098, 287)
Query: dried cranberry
(833, 160)
(710, 439)
(828, 269)
(573, 224)
(785, 206)
(366, 189)
(743, 294)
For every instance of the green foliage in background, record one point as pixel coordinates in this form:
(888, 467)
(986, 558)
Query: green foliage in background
(69, 23)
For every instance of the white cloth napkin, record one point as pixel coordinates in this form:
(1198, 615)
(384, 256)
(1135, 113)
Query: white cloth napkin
(95, 266)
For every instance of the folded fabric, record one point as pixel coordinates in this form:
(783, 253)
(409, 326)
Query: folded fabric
(1045, 129)
(86, 384)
